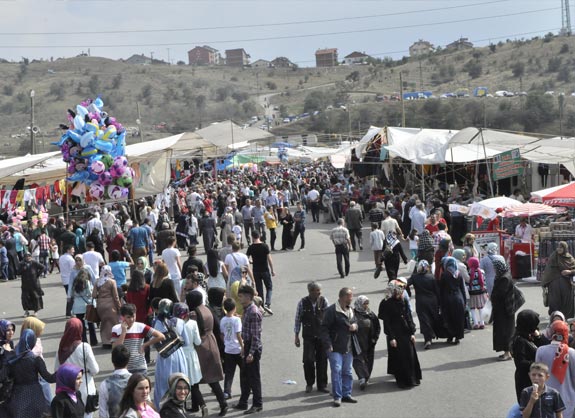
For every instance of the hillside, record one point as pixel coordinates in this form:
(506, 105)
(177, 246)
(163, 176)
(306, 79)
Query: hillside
(178, 98)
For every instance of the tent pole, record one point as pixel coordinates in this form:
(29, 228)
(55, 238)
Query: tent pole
(66, 207)
(391, 176)
(486, 163)
(422, 184)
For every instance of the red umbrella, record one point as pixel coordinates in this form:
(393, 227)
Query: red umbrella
(531, 209)
(565, 196)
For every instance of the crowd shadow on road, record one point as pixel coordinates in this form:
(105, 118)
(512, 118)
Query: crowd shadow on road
(308, 403)
(464, 364)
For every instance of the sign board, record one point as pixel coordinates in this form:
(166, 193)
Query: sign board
(507, 164)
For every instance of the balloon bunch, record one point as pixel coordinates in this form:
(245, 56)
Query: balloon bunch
(94, 147)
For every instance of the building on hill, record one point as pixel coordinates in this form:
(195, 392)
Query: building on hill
(282, 62)
(203, 55)
(461, 43)
(261, 64)
(421, 47)
(355, 58)
(139, 59)
(237, 57)
(326, 57)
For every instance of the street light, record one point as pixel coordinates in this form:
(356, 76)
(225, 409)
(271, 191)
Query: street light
(33, 128)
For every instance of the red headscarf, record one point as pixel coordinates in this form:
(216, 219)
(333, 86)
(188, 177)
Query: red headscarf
(71, 339)
(473, 264)
(561, 361)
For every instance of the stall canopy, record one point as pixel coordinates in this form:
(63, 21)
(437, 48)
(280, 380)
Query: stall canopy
(486, 208)
(437, 146)
(537, 196)
(220, 134)
(563, 196)
(531, 209)
(14, 165)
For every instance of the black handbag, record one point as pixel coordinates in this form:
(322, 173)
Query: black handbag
(518, 298)
(171, 343)
(92, 401)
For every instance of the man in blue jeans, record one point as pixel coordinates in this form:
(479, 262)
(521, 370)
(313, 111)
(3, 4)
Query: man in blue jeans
(337, 328)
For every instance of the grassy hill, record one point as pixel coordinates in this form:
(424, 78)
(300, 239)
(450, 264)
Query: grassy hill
(178, 98)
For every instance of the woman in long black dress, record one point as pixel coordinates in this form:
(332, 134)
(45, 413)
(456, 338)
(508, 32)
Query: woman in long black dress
(31, 290)
(286, 220)
(557, 277)
(368, 330)
(399, 328)
(27, 399)
(452, 293)
(426, 301)
(527, 339)
(13, 260)
(503, 313)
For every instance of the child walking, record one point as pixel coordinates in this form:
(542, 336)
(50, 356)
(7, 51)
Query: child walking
(54, 256)
(231, 328)
(413, 243)
(477, 292)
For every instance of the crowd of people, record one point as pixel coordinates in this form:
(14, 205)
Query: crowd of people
(123, 275)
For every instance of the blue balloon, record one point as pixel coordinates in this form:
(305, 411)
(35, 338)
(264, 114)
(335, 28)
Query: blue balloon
(104, 146)
(99, 102)
(79, 122)
(87, 139)
(81, 110)
(74, 136)
(79, 176)
(63, 139)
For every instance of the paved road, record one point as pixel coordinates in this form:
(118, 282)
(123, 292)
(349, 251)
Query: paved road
(458, 381)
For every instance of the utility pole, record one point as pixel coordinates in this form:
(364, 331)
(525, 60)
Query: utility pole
(402, 101)
(420, 76)
(32, 127)
(169, 62)
(152, 57)
(139, 122)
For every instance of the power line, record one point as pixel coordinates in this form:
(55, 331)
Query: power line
(99, 32)
(419, 25)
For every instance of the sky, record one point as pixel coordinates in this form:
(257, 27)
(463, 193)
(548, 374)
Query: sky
(265, 29)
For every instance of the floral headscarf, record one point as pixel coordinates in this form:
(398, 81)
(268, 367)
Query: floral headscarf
(165, 309)
(359, 305)
(499, 265)
(492, 248)
(422, 266)
(105, 274)
(560, 364)
(181, 311)
(450, 265)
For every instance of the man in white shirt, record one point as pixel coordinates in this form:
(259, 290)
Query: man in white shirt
(524, 231)
(313, 203)
(108, 221)
(66, 264)
(172, 258)
(418, 217)
(94, 223)
(94, 259)
(236, 259)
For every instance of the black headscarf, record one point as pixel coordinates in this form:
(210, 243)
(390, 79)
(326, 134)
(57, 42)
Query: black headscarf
(527, 323)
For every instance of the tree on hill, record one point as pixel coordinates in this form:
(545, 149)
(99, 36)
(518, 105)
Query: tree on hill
(473, 68)
(539, 109)
(518, 69)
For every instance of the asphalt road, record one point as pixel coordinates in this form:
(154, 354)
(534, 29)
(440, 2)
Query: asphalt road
(458, 381)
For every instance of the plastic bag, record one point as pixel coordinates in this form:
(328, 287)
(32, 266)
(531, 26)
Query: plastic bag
(410, 266)
(486, 311)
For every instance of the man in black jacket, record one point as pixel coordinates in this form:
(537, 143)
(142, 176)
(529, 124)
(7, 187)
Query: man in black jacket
(309, 314)
(337, 330)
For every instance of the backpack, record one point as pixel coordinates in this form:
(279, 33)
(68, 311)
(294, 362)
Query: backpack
(6, 379)
(474, 285)
(236, 273)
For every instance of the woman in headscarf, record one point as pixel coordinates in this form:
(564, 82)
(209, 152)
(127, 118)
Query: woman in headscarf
(68, 401)
(527, 339)
(143, 266)
(503, 313)
(441, 253)
(194, 372)
(27, 400)
(426, 302)
(79, 242)
(7, 330)
(425, 249)
(452, 292)
(138, 293)
(486, 264)
(208, 351)
(286, 220)
(399, 328)
(468, 246)
(72, 350)
(176, 362)
(31, 289)
(560, 359)
(13, 260)
(368, 330)
(80, 291)
(477, 292)
(173, 404)
(116, 242)
(558, 278)
(37, 326)
(182, 225)
(108, 304)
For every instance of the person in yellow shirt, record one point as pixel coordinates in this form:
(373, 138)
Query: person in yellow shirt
(271, 224)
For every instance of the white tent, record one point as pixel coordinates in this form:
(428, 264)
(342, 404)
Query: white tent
(538, 195)
(220, 135)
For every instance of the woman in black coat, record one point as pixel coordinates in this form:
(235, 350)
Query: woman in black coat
(503, 313)
(286, 220)
(13, 260)
(452, 292)
(173, 404)
(399, 328)
(527, 339)
(68, 401)
(368, 330)
(426, 302)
